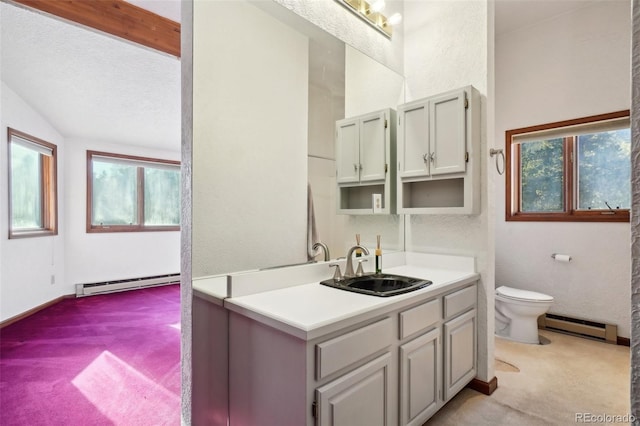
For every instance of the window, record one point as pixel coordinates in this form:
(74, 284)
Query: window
(576, 170)
(32, 186)
(128, 194)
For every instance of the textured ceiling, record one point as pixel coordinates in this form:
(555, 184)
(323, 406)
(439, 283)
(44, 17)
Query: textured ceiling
(92, 86)
(515, 14)
(89, 85)
(170, 9)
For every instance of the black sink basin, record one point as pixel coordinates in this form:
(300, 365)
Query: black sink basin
(382, 285)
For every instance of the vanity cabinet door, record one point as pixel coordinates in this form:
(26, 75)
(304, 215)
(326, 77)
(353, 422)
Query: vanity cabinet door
(348, 151)
(361, 148)
(438, 154)
(420, 384)
(413, 139)
(459, 353)
(361, 397)
(432, 136)
(373, 147)
(447, 133)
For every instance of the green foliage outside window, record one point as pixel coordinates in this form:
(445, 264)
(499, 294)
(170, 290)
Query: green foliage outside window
(114, 194)
(26, 190)
(542, 166)
(117, 203)
(604, 170)
(161, 197)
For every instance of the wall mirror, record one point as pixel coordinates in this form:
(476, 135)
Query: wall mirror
(338, 82)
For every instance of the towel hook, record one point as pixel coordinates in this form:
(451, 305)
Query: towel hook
(493, 152)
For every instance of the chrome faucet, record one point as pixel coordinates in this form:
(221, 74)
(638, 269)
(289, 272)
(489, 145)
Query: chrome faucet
(348, 272)
(324, 248)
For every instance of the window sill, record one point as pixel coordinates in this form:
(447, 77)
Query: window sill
(581, 216)
(14, 235)
(118, 228)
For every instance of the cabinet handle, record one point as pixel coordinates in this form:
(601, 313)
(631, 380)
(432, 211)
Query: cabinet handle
(424, 157)
(355, 167)
(360, 166)
(432, 157)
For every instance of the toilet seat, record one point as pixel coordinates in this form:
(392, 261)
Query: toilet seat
(522, 295)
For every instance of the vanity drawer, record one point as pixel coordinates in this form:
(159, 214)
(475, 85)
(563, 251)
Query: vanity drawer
(419, 318)
(344, 350)
(460, 301)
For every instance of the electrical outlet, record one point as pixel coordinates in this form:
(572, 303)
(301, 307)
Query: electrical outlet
(53, 279)
(377, 203)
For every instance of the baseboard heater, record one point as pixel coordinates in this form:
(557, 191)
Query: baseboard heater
(89, 289)
(581, 327)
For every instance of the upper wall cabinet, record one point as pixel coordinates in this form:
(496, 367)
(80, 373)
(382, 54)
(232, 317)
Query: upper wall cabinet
(438, 154)
(365, 149)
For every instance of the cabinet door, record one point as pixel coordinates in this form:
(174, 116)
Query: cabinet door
(357, 398)
(373, 147)
(459, 353)
(420, 384)
(413, 140)
(347, 151)
(447, 133)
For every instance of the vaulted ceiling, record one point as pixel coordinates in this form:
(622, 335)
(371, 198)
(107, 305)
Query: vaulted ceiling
(93, 86)
(89, 85)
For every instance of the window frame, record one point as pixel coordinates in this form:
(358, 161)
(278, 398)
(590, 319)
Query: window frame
(570, 212)
(140, 226)
(48, 185)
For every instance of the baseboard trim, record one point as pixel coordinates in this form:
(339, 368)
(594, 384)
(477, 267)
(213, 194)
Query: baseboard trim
(624, 341)
(486, 388)
(32, 311)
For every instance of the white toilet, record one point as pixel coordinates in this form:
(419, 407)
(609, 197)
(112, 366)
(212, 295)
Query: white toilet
(517, 313)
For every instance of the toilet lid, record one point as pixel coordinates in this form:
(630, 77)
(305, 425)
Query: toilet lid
(517, 294)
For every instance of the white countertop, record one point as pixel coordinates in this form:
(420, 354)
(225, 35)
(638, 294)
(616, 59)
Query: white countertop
(211, 288)
(310, 310)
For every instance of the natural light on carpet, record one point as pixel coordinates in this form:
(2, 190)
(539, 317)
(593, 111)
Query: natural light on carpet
(124, 395)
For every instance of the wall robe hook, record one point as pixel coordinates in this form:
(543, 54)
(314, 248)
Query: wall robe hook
(500, 152)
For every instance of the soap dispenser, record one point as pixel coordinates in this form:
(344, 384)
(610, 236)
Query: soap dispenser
(378, 256)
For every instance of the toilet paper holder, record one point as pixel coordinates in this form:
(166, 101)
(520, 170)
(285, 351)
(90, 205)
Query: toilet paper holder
(561, 257)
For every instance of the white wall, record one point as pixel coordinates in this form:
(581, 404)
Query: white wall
(96, 257)
(73, 256)
(250, 100)
(335, 19)
(27, 264)
(574, 65)
(446, 47)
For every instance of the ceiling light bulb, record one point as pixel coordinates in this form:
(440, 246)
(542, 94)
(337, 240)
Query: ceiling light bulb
(395, 19)
(377, 6)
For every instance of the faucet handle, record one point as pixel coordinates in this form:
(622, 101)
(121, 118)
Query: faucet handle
(360, 272)
(337, 275)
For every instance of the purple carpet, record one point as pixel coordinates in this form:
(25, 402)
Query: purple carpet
(100, 360)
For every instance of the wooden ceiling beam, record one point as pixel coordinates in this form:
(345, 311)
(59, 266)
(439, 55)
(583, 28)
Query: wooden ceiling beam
(118, 18)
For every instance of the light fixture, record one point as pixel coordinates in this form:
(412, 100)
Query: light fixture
(377, 5)
(395, 19)
(372, 14)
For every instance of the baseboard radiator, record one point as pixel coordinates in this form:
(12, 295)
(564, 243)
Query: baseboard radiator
(580, 327)
(89, 289)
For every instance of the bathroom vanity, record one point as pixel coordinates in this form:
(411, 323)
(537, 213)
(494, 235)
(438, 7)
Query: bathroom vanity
(311, 354)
